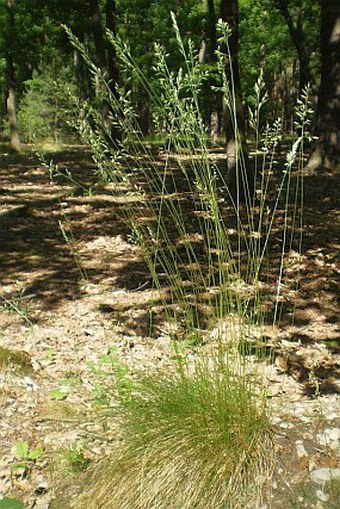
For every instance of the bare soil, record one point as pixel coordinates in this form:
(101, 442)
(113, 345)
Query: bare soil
(65, 304)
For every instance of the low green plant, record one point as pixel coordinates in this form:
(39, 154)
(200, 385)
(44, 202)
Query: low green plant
(109, 375)
(11, 503)
(65, 387)
(26, 456)
(50, 354)
(74, 459)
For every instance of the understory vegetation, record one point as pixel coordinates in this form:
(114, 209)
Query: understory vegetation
(196, 434)
(187, 126)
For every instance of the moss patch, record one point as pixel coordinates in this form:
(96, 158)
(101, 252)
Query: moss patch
(19, 361)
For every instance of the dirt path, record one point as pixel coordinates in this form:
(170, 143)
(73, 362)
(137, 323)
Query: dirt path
(64, 305)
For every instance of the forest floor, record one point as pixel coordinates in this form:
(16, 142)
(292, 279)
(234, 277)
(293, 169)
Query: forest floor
(71, 310)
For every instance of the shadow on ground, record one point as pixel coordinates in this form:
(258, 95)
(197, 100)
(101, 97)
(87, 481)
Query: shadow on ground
(55, 239)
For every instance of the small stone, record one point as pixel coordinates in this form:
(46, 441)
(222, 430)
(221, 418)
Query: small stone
(43, 502)
(97, 450)
(330, 437)
(42, 486)
(334, 433)
(322, 475)
(322, 496)
(286, 425)
(301, 451)
(29, 383)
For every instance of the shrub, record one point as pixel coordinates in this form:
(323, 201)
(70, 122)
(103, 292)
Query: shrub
(47, 110)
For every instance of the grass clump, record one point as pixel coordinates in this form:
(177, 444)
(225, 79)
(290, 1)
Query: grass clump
(195, 437)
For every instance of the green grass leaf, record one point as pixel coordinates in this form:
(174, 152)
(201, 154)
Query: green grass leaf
(58, 394)
(21, 449)
(11, 503)
(35, 454)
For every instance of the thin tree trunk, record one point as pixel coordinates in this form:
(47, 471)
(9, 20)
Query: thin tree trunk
(211, 28)
(98, 36)
(298, 38)
(12, 118)
(79, 73)
(11, 108)
(239, 176)
(327, 152)
(111, 54)
(100, 47)
(110, 11)
(106, 59)
(215, 115)
(212, 102)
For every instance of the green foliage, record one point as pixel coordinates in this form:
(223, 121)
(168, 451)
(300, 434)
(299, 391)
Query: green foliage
(22, 451)
(59, 394)
(40, 40)
(265, 42)
(11, 503)
(74, 459)
(65, 387)
(25, 456)
(47, 109)
(109, 376)
(200, 435)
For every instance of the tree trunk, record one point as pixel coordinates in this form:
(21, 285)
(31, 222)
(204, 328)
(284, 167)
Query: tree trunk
(298, 38)
(111, 54)
(106, 60)
(327, 152)
(211, 29)
(110, 10)
(212, 111)
(12, 118)
(98, 36)
(240, 178)
(79, 73)
(11, 110)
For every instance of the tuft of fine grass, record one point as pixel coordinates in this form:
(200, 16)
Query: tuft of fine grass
(193, 438)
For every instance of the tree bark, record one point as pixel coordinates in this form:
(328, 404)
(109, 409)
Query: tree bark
(211, 29)
(298, 38)
(98, 35)
(11, 108)
(240, 178)
(327, 152)
(110, 11)
(212, 111)
(106, 59)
